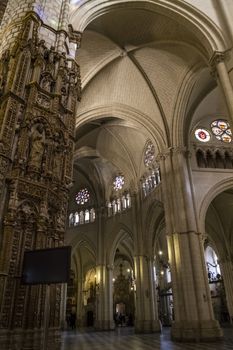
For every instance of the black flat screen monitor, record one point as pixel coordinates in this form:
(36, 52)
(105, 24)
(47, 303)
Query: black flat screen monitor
(46, 266)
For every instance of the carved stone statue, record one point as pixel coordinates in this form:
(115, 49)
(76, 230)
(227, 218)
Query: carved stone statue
(46, 83)
(64, 96)
(57, 163)
(37, 145)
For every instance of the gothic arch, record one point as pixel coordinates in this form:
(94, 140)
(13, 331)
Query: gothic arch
(122, 232)
(181, 120)
(82, 239)
(129, 114)
(153, 218)
(216, 189)
(218, 245)
(207, 33)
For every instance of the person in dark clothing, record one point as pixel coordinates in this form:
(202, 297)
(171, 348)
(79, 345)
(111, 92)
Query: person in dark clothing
(73, 320)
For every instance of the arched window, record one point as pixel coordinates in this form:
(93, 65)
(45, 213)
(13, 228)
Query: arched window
(71, 219)
(149, 154)
(158, 177)
(212, 264)
(92, 213)
(128, 200)
(153, 179)
(114, 206)
(144, 188)
(76, 218)
(124, 202)
(87, 216)
(118, 204)
(150, 181)
(81, 216)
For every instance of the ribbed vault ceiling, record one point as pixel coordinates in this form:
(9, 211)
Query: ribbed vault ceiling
(135, 67)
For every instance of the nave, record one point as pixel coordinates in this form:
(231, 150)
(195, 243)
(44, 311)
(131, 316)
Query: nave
(126, 339)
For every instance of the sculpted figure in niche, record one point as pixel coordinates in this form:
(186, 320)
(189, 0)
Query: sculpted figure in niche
(57, 160)
(37, 144)
(41, 48)
(63, 61)
(64, 96)
(57, 163)
(46, 83)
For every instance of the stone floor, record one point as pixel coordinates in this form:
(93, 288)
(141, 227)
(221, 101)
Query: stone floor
(125, 339)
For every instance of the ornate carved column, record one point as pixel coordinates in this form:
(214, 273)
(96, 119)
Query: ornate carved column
(37, 118)
(194, 319)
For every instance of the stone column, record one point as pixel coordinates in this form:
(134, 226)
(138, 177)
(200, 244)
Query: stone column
(108, 318)
(80, 288)
(104, 298)
(100, 289)
(194, 318)
(227, 272)
(219, 70)
(104, 294)
(146, 313)
(146, 320)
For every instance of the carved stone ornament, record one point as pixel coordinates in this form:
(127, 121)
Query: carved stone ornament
(43, 101)
(42, 84)
(74, 36)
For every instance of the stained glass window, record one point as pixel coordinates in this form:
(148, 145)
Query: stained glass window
(202, 135)
(118, 182)
(82, 196)
(76, 218)
(87, 216)
(149, 154)
(221, 130)
(82, 217)
(92, 213)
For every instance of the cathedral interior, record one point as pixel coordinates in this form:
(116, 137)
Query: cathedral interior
(116, 122)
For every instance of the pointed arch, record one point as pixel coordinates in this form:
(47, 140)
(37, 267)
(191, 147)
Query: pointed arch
(208, 35)
(213, 191)
(121, 233)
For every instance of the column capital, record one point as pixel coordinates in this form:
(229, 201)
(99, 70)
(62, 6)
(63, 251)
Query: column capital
(110, 267)
(172, 151)
(216, 58)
